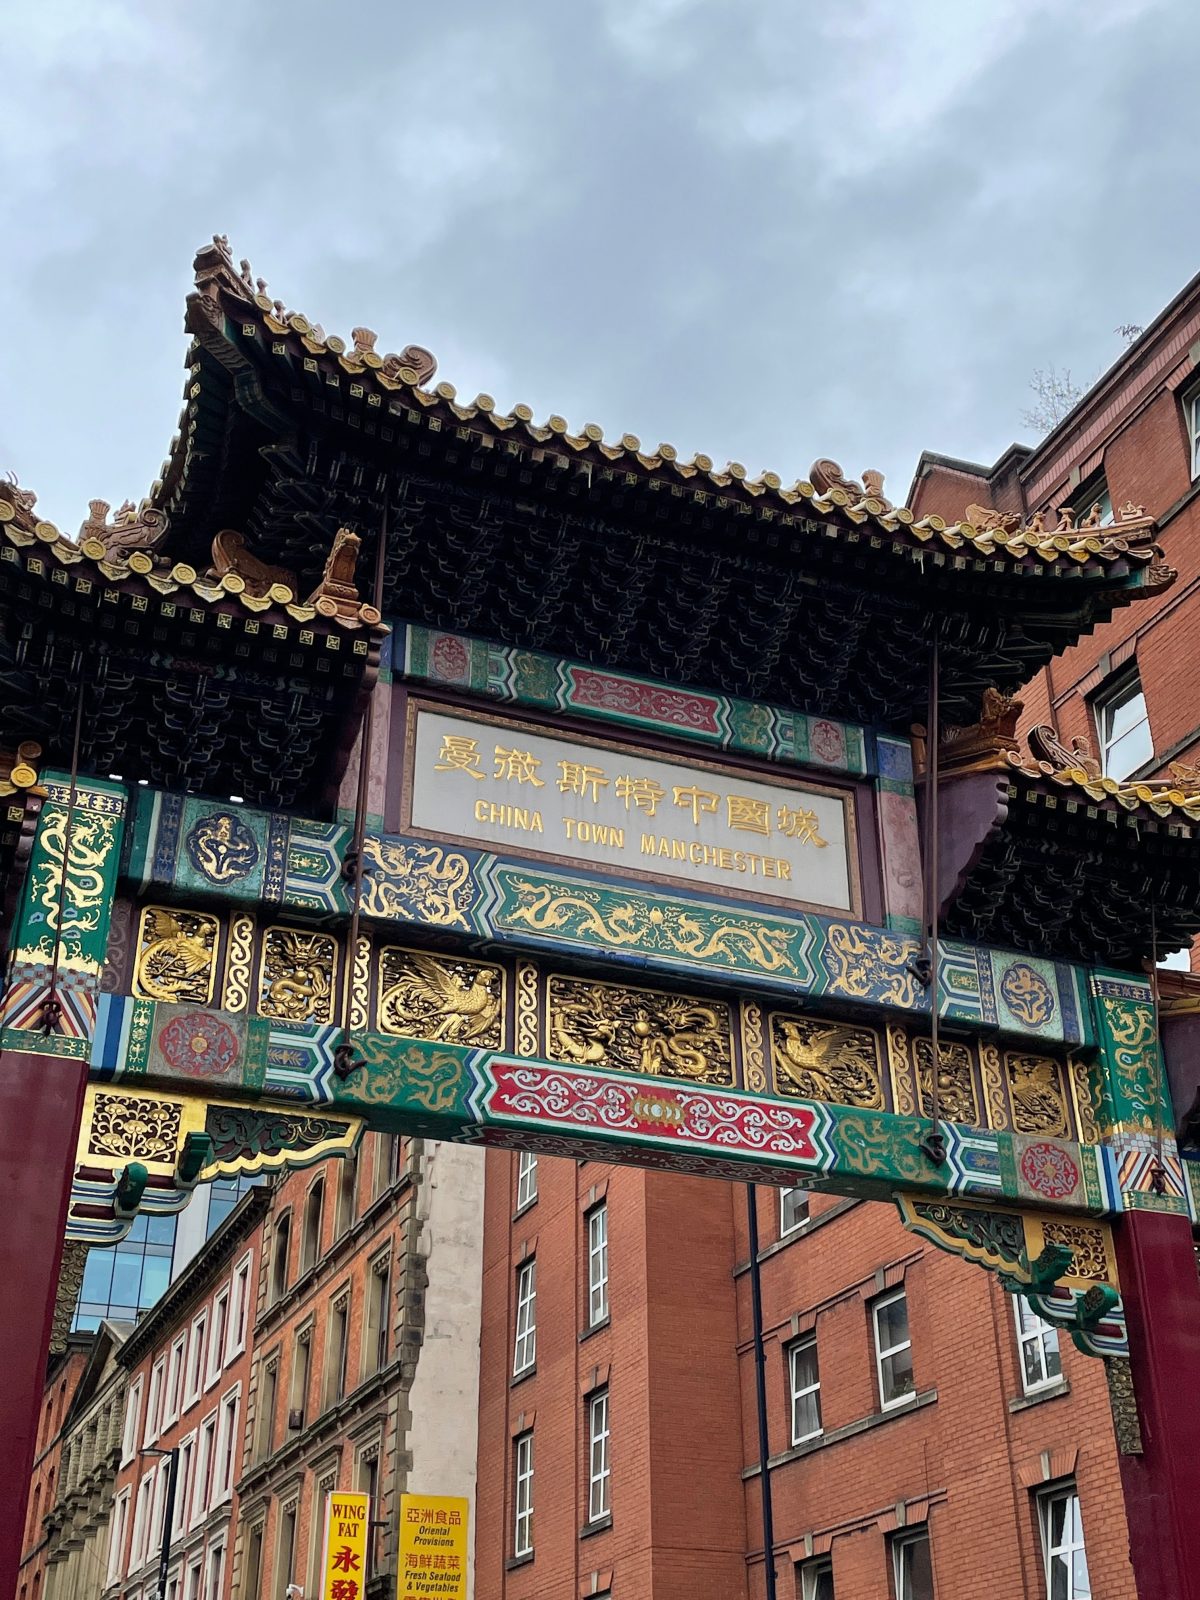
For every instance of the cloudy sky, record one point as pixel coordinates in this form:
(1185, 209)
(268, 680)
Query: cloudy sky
(766, 229)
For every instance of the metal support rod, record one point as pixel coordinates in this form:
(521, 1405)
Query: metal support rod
(164, 1557)
(760, 1389)
(360, 805)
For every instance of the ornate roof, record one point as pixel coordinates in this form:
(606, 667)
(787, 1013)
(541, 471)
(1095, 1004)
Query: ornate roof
(550, 536)
(1045, 854)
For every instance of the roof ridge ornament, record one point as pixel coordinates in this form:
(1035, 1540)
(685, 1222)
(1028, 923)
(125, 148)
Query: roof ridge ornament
(337, 593)
(132, 528)
(232, 559)
(984, 746)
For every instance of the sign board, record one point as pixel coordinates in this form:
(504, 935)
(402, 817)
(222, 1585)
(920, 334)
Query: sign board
(433, 1547)
(344, 1571)
(607, 806)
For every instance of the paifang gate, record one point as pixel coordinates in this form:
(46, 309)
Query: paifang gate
(615, 837)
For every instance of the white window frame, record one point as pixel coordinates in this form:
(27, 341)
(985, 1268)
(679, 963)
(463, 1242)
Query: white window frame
(810, 1572)
(176, 1370)
(525, 1332)
(142, 1506)
(527, 1183)
(1035, 1336)
(118, 1527)
(184, 1485)
(599, 1468)
(214, 1561)
(206, 1444)
(1067, 1549)
(155, 1400)
(218, 1333)
(786, 1228)
(1121, 691)
(597, 1220)
(900, 1543)
(1191, 412)
(239, 1308)
(523, 1494)
(193, 1384)
(801, 1391)
(133, 1417)
(882, 1354)
(195, 1571)
(226, 1444)
(158, 1507)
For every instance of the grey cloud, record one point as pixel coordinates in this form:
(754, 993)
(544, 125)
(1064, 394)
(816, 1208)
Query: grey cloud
(769, 232)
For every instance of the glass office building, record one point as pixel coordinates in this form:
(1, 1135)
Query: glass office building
(123, 1281)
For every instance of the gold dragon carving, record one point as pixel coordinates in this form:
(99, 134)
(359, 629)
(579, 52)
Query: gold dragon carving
(956, 1084)
(638, 1030)
(443, 999)
(92, 838)
(826, 1061)
(296, 975)
(176, 956)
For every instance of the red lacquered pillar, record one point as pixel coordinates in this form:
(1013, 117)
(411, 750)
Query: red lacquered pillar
(1161, 1291)
(41, 1102)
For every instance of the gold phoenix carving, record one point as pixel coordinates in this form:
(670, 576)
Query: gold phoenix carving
(956, 1084)
(296, 975)
(1035, 1086)
(176, 955)
(638, 1030)
(445, 999)
(826, 1061)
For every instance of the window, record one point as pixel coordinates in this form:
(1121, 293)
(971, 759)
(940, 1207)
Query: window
(526, 1179)
(368, 1484)
(805, 1383)
(1191, 412)
(347, 1193)
(191, 1584)
(1037, 1342)
(195, 1359)
(1062, 1545)
(183, 1485)
(239, 1307)
(116, 1538)
(598, 1472)
(159, 1511)
(335, 1351)
(375, 1327)
(793, 1210)
(279, 1260)
(154, 1403)
(523, 1495)
(893, 1350)
(525, 1348)
(217, 1336)
(175, 1365)
(816, 1580)
(597, 1266)
(387, 1160)
(204, 1466)
(285, 1549)
(1123, 727)
(133, 1408)
(298, 1393)
(214, 1576)
(141, 1520)
(264, 1422)
(912, 1566)
(252, 1569)
(227, 1422)
(314, 1211)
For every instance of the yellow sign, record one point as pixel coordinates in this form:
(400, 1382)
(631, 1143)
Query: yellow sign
(433, 1547)
(347, 1534)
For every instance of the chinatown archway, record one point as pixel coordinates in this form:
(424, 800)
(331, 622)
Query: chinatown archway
(573, 904)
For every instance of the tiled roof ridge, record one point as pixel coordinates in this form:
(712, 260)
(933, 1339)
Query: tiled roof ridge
(1074, 767)
(827, 492)
(21, 528)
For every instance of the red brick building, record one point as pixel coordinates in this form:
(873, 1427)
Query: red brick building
(188, 1366)
(926, 1438)
(63, 1377)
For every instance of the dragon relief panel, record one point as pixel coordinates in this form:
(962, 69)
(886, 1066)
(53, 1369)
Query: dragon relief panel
(1037, 1093)
(176, 956)
(957, 1101)
(296, 972)
(446, 999)
(831, 1061)
(638, 1030)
